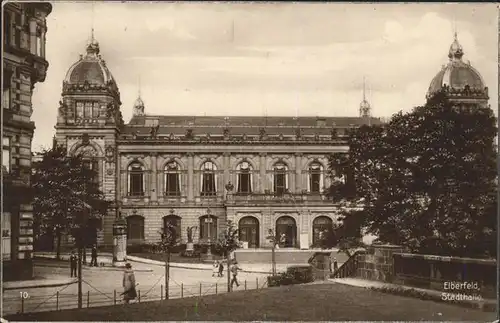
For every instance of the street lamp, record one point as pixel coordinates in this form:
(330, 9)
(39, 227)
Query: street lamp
(209, 220)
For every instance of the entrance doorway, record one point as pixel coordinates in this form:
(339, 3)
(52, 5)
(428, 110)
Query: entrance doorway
(287, 228)
(322, 227)
(249, 231)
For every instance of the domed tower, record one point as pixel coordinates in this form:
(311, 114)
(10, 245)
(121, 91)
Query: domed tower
(460, 81)
(89, 118)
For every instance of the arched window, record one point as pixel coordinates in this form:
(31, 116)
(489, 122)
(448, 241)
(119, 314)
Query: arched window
(90, 161)
(315, 177)
(208, 179)
(244, 178)
(136, 179)
(286, 229)
(175, 222)
(135, 227)
(172, 179)
(248, 228)
(208, 227)
(280, 178)
(322, 228)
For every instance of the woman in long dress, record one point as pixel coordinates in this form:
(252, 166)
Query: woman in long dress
(129, 291)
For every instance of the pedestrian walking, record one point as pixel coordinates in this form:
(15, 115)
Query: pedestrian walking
(221, 269)
(234, 271)
(73, 259)
(129, 292)
(215, 269)
(335, 265)
(93, 260)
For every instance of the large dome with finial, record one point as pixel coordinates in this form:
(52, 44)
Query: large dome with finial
(91, 68)
(458, 76)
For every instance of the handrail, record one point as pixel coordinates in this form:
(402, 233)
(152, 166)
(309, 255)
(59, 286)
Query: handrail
(348, 268)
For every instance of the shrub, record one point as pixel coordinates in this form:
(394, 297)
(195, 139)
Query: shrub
(293, 275)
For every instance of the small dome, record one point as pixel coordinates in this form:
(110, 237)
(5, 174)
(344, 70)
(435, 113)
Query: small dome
(457, 75)
(138, 107)
(90, 68)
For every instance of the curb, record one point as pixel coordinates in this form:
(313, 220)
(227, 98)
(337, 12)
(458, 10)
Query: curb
(179, 265)
(99, 268)
(41, 285)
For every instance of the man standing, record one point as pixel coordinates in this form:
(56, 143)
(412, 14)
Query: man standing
(93, 261)
(72, 263)
(234, 271)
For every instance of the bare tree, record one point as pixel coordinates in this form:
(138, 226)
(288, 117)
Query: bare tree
(228, 242)
(169, 239)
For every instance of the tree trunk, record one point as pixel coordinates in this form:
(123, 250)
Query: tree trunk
(273, 260)
(228, 272)
(58, 244)
(167, 274)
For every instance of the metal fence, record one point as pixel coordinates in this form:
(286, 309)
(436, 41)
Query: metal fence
(60, 300)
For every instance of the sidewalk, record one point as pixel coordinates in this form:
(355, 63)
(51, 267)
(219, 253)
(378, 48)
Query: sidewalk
(38, 283)
(248, 268)
(104, 260)
(435, 294)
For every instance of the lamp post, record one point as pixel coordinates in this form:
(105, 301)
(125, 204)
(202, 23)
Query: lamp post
(209, 220)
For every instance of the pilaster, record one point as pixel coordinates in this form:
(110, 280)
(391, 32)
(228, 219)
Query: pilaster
(298, 172)
(262, 169)
(154, 182)
(190, 177)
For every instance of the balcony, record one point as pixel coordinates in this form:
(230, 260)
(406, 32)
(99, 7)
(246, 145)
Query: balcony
(275, 198)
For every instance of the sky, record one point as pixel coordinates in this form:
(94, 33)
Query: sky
(275, 59)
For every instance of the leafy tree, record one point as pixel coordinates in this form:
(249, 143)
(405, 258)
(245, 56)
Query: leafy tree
(168, 241)
(228, 242)
(67, 196)
(427, 179)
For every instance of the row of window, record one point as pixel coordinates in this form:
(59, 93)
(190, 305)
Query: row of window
(172, 179)
(87, 110)
(17, 32)
(248, 228)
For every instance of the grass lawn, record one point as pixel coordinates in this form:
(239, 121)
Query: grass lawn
(313, 302)
(175, 257)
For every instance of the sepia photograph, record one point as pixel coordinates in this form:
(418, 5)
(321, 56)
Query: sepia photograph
(249, 161)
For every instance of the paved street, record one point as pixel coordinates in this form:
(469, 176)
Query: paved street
(100, 285)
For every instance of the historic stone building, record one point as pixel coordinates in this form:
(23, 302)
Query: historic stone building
(259, 172)
(24, 64)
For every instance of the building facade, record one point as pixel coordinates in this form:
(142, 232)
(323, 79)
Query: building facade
(24, 64)
(260, 173)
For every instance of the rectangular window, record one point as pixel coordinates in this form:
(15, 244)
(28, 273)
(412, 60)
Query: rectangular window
(315, 182)
(244, 183)
(208, 187)
(279, 183)
(6, 161)
(95, 112)
(6, 236)
(135, 228)
(88, 110)
(79, 110)
(172, 186)
(6, 27)
(17, 30)
(6, 99)
(39, 45)
(136, 184)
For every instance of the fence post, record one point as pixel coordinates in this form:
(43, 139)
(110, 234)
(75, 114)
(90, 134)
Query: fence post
(257, 282)
(161, 292)
(57, 301)
(139, 295)
(88, 299)
(200, 289)
(182, 290)
(215, 288)
(22, 304)
(114, 296)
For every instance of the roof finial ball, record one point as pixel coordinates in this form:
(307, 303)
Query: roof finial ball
(456, 51)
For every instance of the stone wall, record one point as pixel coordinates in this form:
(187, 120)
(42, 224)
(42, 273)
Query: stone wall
(377, 263)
